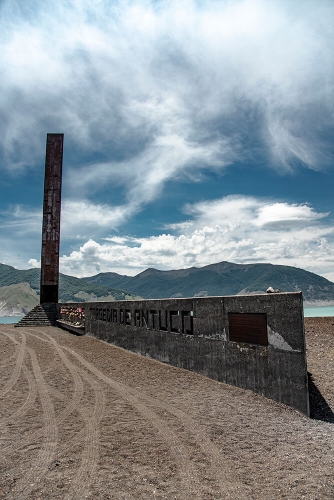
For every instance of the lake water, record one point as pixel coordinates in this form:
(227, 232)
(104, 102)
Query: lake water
(312, 312)
(309, 312)
(6, 320)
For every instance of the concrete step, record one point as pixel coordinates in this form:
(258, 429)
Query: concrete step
(41, 315)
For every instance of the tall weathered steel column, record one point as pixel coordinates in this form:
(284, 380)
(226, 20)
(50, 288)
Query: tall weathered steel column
(51, 218)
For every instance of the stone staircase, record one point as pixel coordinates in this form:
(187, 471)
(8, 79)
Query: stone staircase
(41, 315)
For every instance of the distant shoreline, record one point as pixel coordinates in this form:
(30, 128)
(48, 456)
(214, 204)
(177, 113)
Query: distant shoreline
(318, 303)
(311, 310)
(21, 312)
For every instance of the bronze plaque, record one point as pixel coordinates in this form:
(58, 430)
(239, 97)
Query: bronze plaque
(250, 328)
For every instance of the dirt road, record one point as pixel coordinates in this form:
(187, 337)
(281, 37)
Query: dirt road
(80, 418)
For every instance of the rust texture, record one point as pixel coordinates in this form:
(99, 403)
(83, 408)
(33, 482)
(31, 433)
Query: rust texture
(51, 218)
(249, 328)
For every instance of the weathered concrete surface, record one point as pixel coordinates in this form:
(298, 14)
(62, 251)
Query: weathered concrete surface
(194, 334)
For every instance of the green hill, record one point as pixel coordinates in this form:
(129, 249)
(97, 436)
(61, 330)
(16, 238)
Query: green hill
(17, 300)
(70, 289)
(223, 278)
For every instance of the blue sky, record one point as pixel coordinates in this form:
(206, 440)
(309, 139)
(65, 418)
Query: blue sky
(195, 132)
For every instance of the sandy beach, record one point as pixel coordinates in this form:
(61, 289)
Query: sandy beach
(82, 419)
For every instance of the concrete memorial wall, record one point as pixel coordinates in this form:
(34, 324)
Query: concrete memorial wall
(256, 342)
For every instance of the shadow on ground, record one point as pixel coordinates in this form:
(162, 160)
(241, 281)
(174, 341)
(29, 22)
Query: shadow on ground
(319, 408)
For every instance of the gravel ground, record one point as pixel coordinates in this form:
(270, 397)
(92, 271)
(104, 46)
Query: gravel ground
(80, 418)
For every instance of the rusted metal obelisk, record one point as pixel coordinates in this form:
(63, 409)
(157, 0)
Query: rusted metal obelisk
(51, 219)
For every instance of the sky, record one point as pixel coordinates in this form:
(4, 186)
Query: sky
(195, 132)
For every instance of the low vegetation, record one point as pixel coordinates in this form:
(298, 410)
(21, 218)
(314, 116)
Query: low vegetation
(19, 290)
(223, 278)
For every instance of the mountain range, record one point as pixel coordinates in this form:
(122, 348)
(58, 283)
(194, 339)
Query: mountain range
(19, 290)
(223, 278)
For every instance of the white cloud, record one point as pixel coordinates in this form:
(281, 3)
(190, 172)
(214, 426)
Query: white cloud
(158, 91)
(82, 218)
(21, 220)
(162, 89)
(236, 228)
(329, 276)
(287, 216)
(34, 263)
(236, 211)
(20, 228)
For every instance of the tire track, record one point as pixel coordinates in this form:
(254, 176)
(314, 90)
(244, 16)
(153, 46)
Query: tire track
(32, 436)
(13, 356)
(78, 388)
(90, 454)
(79, 438)
(207, 446)
(87, 437)
(32, 388)
(90, 435)
(46, 453)
(25, 484)
(18, 367)
(187, 471)
(31, 398)
(209, 449)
